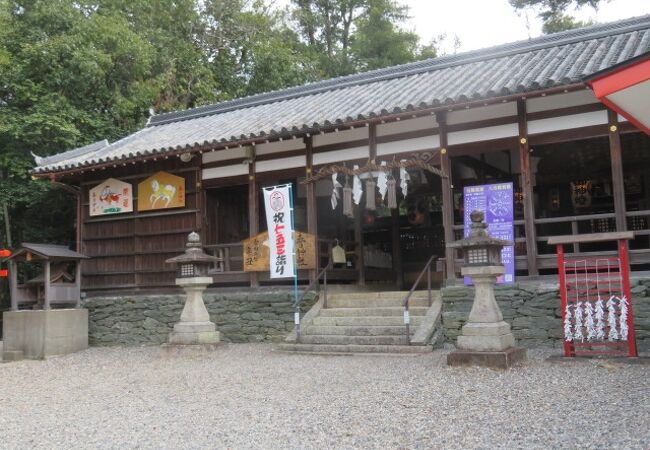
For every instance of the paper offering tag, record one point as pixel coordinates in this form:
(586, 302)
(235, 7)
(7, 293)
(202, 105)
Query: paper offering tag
(407, 317)
(296, 318)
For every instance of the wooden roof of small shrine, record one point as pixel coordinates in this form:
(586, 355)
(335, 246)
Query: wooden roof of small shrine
(555, 61)
(45, 252)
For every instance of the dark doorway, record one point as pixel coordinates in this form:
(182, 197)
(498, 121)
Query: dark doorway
(227, 214)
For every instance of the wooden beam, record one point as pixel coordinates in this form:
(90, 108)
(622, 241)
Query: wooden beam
(46, 284)
(618, 185)
(312, 226)
(527, 191)
(447, 198)
(253, 213)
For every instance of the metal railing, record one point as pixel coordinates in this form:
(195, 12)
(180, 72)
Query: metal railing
(315, 281)
(407, 316)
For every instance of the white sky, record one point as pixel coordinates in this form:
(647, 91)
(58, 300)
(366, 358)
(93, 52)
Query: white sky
(484, 23)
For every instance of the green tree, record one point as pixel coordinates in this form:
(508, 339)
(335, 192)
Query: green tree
(553, 12)
(379, 42)
(347, 36)
(562, 22)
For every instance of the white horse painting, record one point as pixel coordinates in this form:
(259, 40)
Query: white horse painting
(165, 193)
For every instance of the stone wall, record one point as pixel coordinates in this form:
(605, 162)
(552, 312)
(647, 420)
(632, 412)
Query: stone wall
(533, 312)
(240, 316)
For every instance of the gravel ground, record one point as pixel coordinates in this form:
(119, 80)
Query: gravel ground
(249, 396)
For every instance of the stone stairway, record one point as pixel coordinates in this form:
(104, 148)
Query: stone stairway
(368, 322)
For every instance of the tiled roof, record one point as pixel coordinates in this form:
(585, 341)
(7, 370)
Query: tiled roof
(551, 61)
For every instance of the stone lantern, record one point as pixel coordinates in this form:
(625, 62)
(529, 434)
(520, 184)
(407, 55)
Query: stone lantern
(485, 339)
(194, 327)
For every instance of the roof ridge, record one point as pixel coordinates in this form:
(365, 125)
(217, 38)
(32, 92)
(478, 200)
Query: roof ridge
(413, 68)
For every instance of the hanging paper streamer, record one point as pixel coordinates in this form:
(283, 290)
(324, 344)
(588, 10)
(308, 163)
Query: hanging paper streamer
(347, 200)
(611, 319)
(578, 335)
(357, 190)
(404, 178)
(568, 334)
(589, 321)
(371, 202)
(382, 182)
(335, 190)
(600, 319)
(622, 319)
(392, 194)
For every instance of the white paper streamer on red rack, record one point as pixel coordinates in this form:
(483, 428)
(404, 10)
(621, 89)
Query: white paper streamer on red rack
(589, 321)
(568, 334)
(577, 334)
(611, 319)
(622, 319)
(600, 319)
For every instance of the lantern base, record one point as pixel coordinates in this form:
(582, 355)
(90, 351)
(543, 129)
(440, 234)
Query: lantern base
(486, 337)
(193, 351)
(494, 360)
(194, 333)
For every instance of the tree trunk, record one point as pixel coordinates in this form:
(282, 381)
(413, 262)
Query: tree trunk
(6, 220)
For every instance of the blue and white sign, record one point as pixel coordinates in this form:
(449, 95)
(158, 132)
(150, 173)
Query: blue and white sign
(496, 201)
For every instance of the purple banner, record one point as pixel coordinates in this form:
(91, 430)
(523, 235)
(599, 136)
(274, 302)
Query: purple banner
(496, 201)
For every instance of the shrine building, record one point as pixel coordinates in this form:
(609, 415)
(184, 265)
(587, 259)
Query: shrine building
(521, 113)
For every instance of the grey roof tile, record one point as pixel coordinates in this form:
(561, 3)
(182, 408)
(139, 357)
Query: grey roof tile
(549, 61)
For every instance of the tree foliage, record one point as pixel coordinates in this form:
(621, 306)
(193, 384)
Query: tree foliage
(553, 12)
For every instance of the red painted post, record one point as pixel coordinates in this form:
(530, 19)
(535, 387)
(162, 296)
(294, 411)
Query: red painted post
(625, 278)
(568, 348)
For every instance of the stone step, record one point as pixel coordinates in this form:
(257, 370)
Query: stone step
(352, 340)
(379, 299)
(365, 321)
(348, 349)
(369, 312)
(357, 330)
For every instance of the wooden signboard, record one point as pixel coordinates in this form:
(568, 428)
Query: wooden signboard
(161, 191)
(256, 252)
(111, 197)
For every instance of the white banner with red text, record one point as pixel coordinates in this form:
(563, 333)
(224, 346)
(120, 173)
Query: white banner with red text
(277, 204)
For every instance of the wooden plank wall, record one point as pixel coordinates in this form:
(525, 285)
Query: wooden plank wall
(128, 251)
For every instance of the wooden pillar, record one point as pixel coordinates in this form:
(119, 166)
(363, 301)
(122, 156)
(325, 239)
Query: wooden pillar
(46, 284)
(310, 188)
(397, 250)
(253, 213)
(358, 238)
(527, 191)
(79, 222)
(200, 200)
(372, 142)
(447, 198)
(618, 185)
(13, 284)
(77, 281)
